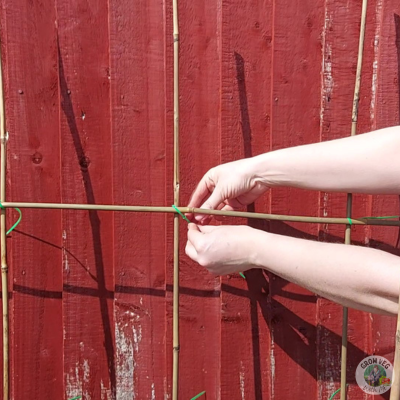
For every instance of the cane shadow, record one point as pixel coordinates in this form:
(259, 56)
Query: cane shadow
(246, 134)
(295, 336)
(101, 293)
(292, 334)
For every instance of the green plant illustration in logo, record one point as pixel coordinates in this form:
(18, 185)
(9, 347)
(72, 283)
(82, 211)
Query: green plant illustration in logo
(375, 375)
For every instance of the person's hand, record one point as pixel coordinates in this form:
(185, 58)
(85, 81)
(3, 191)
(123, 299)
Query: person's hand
(227, 187)
(222, 249)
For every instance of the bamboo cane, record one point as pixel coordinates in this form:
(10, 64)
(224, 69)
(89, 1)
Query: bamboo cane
(343, 371)
(4, 267)
(395, 389)
(377, 221)
(189, 210)
(175, 338)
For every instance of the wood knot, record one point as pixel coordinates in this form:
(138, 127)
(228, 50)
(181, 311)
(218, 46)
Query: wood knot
(37, 158)
(84, 162)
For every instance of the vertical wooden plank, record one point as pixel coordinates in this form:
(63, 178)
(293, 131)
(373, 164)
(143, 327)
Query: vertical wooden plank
(359, 340)
(4, 58)
(3, 49)
(329, 314)
(247, 363)
(34, 175)
(169, 193)
(387, 94)
(86, 157)
(295, 121)
(199, 151)
(340, 48)
(199, 121)
(138, 123)
(385, 111)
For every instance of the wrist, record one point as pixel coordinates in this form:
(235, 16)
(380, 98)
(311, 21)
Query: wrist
(268, 170)
(256, 243)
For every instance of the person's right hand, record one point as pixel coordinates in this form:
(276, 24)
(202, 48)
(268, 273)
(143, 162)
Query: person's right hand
(228, 186)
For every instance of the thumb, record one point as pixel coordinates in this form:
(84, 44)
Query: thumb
(194, 235)
(193, 227)
(211, 203)
(208, 228)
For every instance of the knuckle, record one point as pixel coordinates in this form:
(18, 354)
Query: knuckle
(201, 247)
(214, 175)
(203, 261)
(211, 172)
(208, 177)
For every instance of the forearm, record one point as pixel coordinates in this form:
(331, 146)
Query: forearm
(367, 163)
(357, 277)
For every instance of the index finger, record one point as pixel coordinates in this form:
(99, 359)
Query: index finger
(200, 194)
(203, 189)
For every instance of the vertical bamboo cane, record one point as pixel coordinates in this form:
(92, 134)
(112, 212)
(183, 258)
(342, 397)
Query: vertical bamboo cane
(4, 267)
(343, 373)
(175, 370)
(395, 390)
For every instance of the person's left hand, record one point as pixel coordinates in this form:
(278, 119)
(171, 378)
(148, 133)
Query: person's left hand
(222, 249)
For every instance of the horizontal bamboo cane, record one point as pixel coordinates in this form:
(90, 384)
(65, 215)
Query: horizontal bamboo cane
(187, 210)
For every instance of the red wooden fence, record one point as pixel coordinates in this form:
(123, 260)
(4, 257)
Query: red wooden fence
(89, 112)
